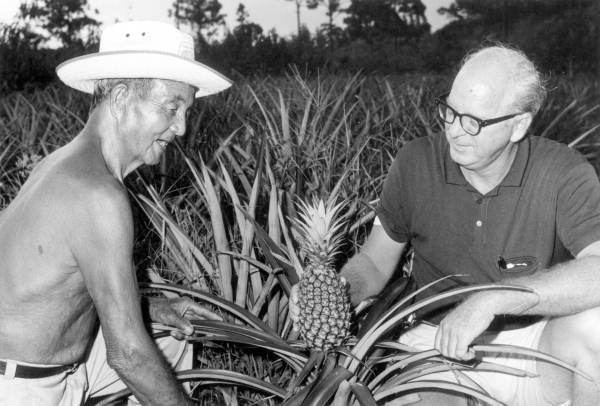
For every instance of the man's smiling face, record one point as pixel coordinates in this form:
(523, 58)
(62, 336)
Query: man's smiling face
(156, 120)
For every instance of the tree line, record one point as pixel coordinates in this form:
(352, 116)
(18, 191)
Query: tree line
(378, 36)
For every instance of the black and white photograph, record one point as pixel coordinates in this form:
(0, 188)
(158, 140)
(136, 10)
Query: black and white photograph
(299, 202)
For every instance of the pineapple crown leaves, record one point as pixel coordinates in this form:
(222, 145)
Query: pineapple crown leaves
(320, 228)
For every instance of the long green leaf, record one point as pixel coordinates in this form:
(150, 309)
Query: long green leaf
(255, 278)
(426, 385)
(315, 360)
(365, 343)
(297, 399)
(269, 247)
(226, 305)
(404, 300)
(419, 371)
(383, 303)
(257, 264)
(557, 118)
(363, 394)
(577, 140)
(218, 226)
(326, 388)
(182, 243)
(212, 376)
(513, 349)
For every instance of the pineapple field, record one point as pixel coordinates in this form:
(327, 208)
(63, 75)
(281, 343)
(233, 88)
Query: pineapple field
(273, 185)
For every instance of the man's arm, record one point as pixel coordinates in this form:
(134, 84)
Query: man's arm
(564, 289)
(102, 243)
(368, 271)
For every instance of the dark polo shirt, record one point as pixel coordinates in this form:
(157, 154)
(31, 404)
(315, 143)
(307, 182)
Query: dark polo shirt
(544, 211)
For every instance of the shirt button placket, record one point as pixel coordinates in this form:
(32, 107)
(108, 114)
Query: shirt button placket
(482, 202)
(478, 229)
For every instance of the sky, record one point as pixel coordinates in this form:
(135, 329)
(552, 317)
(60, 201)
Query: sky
(278, 14)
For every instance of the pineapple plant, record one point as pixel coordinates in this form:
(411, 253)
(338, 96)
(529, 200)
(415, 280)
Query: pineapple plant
(323, 301)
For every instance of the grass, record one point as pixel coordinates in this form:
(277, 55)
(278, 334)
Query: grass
(216, 216)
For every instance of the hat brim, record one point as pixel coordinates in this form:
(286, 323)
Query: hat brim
(80, 73)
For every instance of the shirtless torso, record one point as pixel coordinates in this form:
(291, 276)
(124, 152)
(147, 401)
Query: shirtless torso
(47, 315)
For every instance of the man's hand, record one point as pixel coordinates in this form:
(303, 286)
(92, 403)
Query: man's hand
(177, 313)
(463, 325)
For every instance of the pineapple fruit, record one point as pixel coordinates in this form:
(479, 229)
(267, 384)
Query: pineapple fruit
(323, 301)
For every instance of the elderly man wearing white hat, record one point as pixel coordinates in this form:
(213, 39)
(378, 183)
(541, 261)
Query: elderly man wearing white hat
(66, 240)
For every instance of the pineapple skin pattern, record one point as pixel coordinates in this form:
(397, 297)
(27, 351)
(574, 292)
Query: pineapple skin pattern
(324, 309)
(323, 301)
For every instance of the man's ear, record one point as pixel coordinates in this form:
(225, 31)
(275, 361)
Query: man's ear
(522, 123)
(119, 96)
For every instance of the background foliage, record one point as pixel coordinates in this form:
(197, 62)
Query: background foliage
(375, 36)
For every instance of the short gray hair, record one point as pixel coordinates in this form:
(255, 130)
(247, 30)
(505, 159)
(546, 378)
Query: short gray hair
(103, 87)
(527, 81)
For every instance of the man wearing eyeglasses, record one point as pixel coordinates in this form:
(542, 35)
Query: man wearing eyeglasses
(496, 205)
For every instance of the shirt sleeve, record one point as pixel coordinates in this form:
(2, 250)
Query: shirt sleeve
(393, 208)
(578, 208)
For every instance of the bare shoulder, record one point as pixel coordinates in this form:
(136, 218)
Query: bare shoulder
(94, 199)
(70, 193)
(80, 184)
(90, 209)
(98, 194)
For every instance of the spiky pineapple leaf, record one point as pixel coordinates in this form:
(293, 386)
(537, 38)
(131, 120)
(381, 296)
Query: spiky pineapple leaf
(384, 300)
(213, 331)
(314, 361)
(398, 306)
(421, 370)
(224, 331)
(395, 345)
(299, 398)
(402, 364)
(209, 376)
(250, 260)
(319, 225)
(178, 242)
(504, 369)
(437, 385)
(230, 377)
(268, 247)
(223, 304)
(367, 341)
(363, 394)
(326, 388)
(513, 349)
(227, 327)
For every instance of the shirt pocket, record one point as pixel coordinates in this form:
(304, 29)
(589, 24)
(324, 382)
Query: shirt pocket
(520, 265)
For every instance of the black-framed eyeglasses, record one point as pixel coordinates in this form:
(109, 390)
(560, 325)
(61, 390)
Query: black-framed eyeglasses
(472, 125)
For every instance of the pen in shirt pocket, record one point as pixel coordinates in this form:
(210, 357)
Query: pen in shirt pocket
(517, 264)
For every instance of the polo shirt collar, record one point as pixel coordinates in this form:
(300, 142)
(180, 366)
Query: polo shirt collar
(514, 177)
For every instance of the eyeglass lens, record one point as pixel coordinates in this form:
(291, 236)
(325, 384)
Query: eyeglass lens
(469, 124)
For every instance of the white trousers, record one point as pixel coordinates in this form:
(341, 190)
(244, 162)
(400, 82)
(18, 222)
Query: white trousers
(92, 378)
(509, 389)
